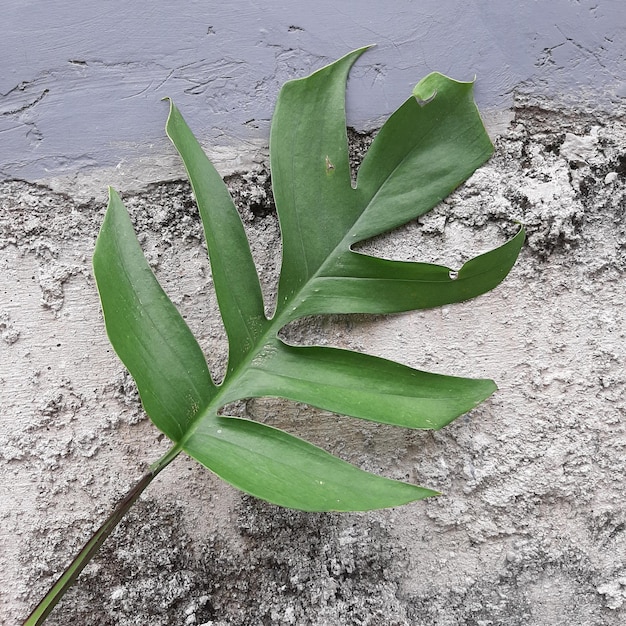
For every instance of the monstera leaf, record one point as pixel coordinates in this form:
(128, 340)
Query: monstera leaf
(429, 146)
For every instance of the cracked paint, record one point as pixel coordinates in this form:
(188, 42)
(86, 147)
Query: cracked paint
(10, 102)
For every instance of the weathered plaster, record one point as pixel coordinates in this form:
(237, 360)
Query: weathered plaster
(530, 529)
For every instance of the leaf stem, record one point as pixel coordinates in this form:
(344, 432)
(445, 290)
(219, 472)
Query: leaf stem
(57, 591)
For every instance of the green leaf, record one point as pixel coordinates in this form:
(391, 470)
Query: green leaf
(282, 469)
(425, 150)
(234, 275)
(311, 172)
(366, 284)
(146, 330)
(421, 154)
(362, 386)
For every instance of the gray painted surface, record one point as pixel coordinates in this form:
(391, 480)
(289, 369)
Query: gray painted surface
(81, 82)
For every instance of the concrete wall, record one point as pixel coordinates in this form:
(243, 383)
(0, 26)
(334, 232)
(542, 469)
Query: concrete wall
(530, 529)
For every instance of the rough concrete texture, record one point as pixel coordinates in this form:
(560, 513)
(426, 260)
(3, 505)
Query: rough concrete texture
(531, 529)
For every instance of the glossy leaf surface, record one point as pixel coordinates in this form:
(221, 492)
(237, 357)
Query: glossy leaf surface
(146, 330)
(362, 386)
(282, 469)
(234, 275)
(424, 151)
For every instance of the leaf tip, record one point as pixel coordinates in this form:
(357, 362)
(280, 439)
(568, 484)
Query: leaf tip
(169, 114)
(490, 388)
(423, 101)
(113, 195)
(430, 86)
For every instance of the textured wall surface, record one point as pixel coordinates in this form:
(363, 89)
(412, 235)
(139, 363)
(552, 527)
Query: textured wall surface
(80, 84)
(531, 529)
